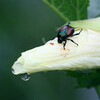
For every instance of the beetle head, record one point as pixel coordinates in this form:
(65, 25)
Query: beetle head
(60, 40)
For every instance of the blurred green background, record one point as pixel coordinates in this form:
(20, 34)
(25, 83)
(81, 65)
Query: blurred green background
(23, 24)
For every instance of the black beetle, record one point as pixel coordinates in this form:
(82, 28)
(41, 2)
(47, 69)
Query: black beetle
(64, 33)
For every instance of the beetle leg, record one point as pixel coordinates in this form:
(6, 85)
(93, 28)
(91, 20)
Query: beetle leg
(73, 41)
(64, 44)
(76, 33)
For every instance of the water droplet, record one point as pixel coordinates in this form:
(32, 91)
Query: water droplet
(25, 76)
(12, 70)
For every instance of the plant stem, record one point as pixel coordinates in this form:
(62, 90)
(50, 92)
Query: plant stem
(97, 88)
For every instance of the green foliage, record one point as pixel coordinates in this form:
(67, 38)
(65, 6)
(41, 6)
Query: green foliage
(69, 9)
(86, 78)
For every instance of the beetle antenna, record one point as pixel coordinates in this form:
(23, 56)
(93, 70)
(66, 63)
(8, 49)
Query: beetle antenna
(57, 29)
(68, 23)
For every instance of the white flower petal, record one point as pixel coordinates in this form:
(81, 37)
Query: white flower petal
(52, 56)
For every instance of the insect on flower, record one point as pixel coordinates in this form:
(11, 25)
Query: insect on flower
(64, 33)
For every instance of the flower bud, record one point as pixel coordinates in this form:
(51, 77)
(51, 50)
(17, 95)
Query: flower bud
(52, 56)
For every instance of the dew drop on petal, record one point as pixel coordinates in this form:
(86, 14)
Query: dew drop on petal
(25, 76)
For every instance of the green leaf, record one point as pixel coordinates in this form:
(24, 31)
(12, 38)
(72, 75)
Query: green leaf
(69, 9)
(86, 78)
